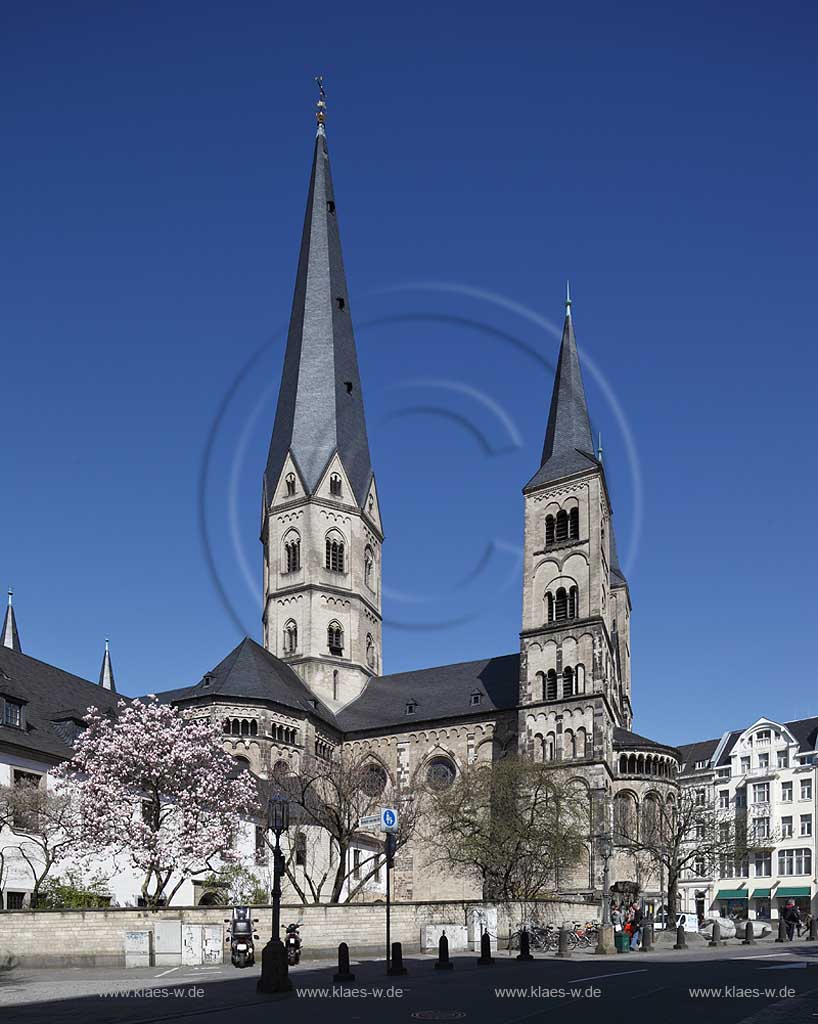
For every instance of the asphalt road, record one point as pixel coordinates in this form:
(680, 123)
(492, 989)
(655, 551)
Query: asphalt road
(760, 985)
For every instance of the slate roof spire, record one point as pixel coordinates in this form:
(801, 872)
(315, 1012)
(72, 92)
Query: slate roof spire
(106, 673)
(569, 444)
(10, 636)
(320, 404)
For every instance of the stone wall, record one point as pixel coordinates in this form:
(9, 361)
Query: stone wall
(75, 938)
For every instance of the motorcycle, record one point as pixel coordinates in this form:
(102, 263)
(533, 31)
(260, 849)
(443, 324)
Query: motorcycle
(241, 937)
(292, 943)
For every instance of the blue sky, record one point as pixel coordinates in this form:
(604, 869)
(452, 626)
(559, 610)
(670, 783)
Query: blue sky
(153, 186)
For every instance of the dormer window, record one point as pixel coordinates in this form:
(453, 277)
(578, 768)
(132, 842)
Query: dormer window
(335, 485)
(476, 698)
(289, 483)
(411, 707)
(702, 764)
(13, 714)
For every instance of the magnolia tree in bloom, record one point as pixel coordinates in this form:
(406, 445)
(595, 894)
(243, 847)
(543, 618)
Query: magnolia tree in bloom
(159, 790)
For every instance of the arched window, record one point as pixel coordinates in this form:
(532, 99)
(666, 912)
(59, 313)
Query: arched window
(549, 606)
(289, 484)
(650, 817)
(369, 565)
(569, 750)
(579, 679)
(440, 773)
(335, 685)
(551, 685)
(245, 727)
(624, 817)
(561, 531)
(292, 553)
(582, 743)
(254, 728)
(370, 650)
(290, 637)
(568, 682)
(335, 638)
(281, 769)
(335, 553)
(235, 728)
(573, 603)
(549, 531)
(561, 605)
(226, 726)
(242, 764)
(550, 746)
(335, 485)
(623, 764)
(573, 524)
(373, 779)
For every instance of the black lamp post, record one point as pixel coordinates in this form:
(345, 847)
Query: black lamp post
(604, 942)
(274, 970)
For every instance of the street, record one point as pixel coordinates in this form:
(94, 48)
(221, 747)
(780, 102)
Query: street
(758, 985)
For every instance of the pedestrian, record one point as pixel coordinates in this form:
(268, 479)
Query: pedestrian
(792, 919)
(636, 925)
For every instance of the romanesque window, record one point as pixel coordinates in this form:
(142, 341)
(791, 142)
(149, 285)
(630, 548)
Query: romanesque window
(568, 682)
(370, 650)
(549, 607)
(292, 553)
(581, 743)
(440, 773)
(549, 531)
(561, 605)
(624, 816)
(369, 565)
(550, 746)
(561, 526)
(335, 684)
(281, 769)
(335, 553)
(569, 750)
(573, 603)
(335, 485)
(290, 637)
(573, 524)
(335, 638)
(551, 685)
(373, 779)
(289, 483)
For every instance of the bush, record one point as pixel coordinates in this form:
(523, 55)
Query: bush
(72, 892)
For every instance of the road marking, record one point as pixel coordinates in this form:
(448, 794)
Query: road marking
(172, 969)
(616, 974)
(763, 956)
(782, 967)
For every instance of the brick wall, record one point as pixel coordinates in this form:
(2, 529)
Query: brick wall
(74, 938)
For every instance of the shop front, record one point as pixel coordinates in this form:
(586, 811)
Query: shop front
(761, 905)
(733, 903)
(799, 894)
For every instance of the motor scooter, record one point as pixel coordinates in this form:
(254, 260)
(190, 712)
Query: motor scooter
(292, 943)
(241, 936)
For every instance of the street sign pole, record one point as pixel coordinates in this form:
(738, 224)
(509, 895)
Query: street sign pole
(390, 854)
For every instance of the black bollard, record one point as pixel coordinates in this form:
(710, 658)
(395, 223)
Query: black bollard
(563, 951)
(715, 939)
(680, 938)
(782, 930)
(647, 936)
(748, 939)
(813, 930)
(443, 962)
(274, 969)
(344, 973)
(396, 969)
(525, 946)
(485, 958)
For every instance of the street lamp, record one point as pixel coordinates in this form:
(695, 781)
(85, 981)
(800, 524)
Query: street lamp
(604, 943)
(274, 971)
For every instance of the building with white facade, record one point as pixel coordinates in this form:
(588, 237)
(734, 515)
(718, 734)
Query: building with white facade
(766, 774)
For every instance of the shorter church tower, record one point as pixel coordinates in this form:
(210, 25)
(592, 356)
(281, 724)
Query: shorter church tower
(575, 643)
(321, 520)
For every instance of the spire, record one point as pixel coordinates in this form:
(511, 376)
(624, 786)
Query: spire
(106, 673)
(10, 636)
(569, 445)
(320, 404)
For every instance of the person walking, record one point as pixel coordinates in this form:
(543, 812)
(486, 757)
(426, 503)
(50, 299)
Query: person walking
(636, 924)
(792, 919)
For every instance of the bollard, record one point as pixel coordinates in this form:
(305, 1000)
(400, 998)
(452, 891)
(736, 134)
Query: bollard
(813, 930)
(396, 969)
(680, 938)
(716, 937)
(485, 957)
(344, 973)
(525, 946)
(782, 930)
(564, 951)
(647, 936)
(443, 963)
(748, 939)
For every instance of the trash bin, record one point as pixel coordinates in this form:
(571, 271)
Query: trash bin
(622, 942)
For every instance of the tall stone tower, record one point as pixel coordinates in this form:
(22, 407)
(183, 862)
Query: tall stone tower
(575, 640)
(321, 520)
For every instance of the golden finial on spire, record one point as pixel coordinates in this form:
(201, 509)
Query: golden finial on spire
(321, 105)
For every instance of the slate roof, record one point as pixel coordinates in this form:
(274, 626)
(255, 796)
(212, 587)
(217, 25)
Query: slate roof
(693, 752)
(320, 404)
(251, 672)
(569, 445)
(625, 740)
(441, 692)
(805, 731)
(54, 700)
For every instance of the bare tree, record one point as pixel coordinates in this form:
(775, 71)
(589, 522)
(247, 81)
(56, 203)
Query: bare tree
(46, 823)
(512, 824)
(328, 798)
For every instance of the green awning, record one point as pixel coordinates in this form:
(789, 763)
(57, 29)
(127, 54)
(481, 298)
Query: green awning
(761, 894)
(792, 890)
(732, 894)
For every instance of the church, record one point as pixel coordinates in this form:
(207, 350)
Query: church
(314, 684)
